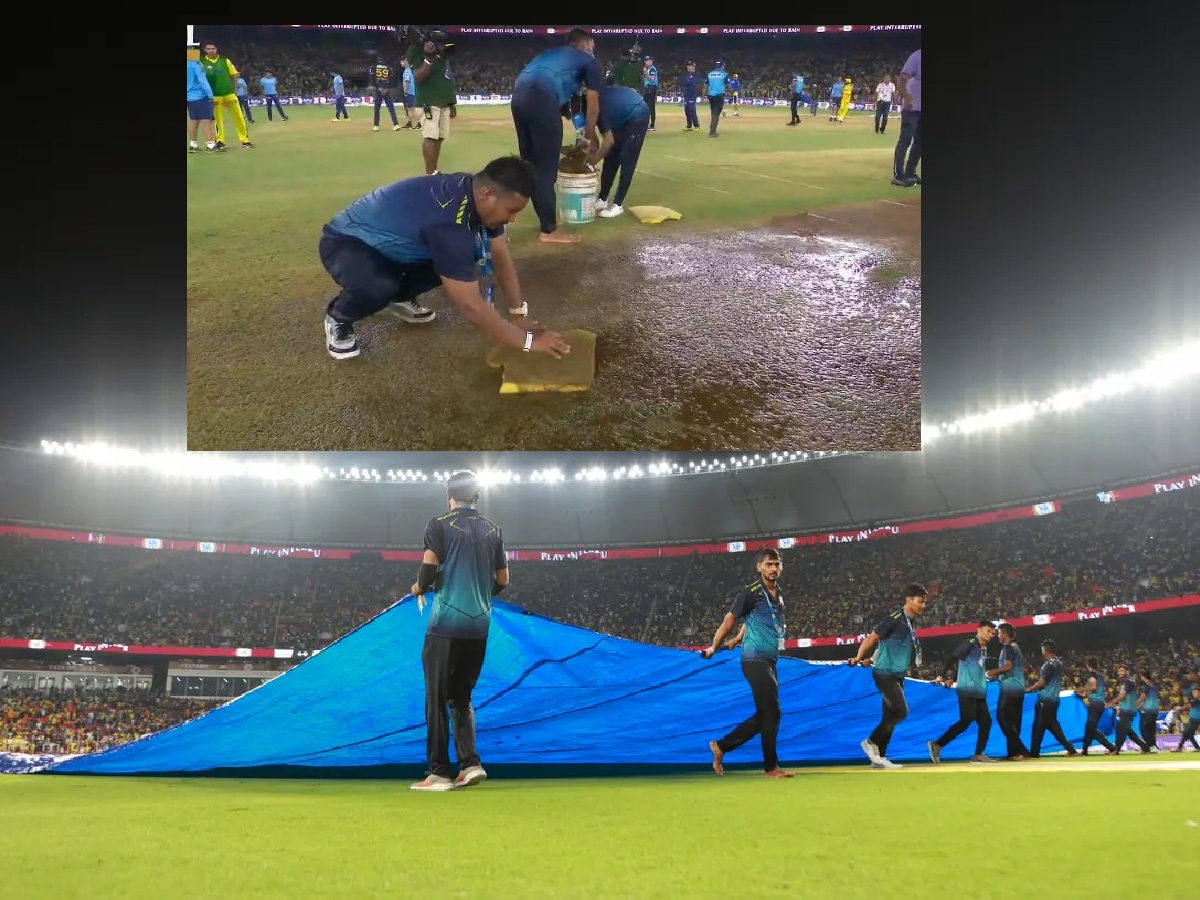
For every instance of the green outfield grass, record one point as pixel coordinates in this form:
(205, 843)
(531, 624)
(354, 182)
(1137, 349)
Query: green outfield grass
(967, 832)
(258, 377)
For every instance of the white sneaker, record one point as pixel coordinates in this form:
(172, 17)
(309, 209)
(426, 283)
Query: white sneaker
(340, 340)
(470, 776)
(434, 783)
(611, 212)
(871, 750)
(375, 128)
(412, 312)
(885, 763)
(397, 127)
(981, 758)
(601, 204)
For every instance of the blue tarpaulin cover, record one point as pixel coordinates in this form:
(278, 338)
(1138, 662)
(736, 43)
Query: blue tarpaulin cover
(549, 694)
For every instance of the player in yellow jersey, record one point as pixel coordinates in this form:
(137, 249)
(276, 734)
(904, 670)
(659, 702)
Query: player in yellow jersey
(846, 95)
(221, 73)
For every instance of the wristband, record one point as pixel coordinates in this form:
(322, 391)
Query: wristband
(528, 341)
(522, 310)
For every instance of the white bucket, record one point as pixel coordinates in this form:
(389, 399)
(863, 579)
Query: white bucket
(577, 198)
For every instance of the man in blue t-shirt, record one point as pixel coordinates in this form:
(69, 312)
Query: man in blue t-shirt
(466, 565)
(759, 607)
(715, 84)
(898, 648)
(1192, 724)
(1010, 669)
(1147, 705)
(1048, 687)
(689, 88)
(908, 144)
(1126, 706)
(403, 240)
(339, 98)
(1093, 695)
(624, 118)
(270, 89)
(542, 91)
(649, 86)
(970, 658)
(242, 91)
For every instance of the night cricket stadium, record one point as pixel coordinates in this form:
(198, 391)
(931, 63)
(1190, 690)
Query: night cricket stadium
(784, 241)
(211, 684)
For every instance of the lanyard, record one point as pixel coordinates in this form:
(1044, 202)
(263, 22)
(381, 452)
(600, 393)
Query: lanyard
(916, 641)
(774, 618)
(483, 250)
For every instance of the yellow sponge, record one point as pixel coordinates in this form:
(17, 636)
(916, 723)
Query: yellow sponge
(654, 215)
(532, 373)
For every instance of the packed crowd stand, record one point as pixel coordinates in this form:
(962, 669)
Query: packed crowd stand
(304, 62)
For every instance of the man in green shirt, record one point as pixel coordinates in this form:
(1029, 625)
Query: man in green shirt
(437, 93)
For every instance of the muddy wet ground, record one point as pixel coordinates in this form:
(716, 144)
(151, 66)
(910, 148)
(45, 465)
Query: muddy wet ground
(803, 335)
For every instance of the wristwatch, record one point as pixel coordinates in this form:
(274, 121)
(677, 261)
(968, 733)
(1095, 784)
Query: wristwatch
(528, 341)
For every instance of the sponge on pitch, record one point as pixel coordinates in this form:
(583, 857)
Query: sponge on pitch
(654, 215)
(532, 373)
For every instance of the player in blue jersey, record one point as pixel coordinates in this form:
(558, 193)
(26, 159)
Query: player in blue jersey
(759, 607)
(242, 91)
(735, 93)
(1147, 705)
(895, 647)
(1126, 706)
(542, 91)
(624, 119)
(270, 88)
(1010, 708)
(1094, 697)
(798, 97)
(970, 682)
(650, 87)
(715, 85)
(409, 84)
(403, 240)
(1048, 687)
(339, 98)
(1192, 724)
(464, 567)
(199, 104)
(689, 88)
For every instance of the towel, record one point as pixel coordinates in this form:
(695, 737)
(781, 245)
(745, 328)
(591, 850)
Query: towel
(531, 373)
(654, 215)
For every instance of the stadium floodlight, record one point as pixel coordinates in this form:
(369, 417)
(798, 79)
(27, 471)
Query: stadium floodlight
(1160, 372)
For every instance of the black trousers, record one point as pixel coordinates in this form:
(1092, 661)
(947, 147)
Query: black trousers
(273, 100)
(895, 709)
(1045, 718)
(1125, 730)
(764, 685)
(689, 113)
(1091, 732)
(368, 279)
(883, 109)
(623, 159)
(650, 95)
(244, 103)
(452, 667)
(971, 711)
(538, 119)
(715, 105)
(382, 98)
(908, 144)
(1148, 726)
(1010, 709)
(1189, 733)
(796, 101)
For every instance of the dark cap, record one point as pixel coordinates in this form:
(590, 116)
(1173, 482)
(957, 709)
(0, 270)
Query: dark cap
(690, 62)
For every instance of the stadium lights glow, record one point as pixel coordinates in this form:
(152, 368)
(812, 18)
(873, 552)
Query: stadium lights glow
(1159, 372)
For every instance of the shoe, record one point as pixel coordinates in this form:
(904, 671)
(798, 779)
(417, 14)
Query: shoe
(885, 763)
(246, 144)
(375, 128)
(601, 204)
(981, 758)
(214, 149)
(871, 750)
(713, 134)
(651, 128)
(935, 752)
(793, 123)
(469, 776)
(340, 339)
(411, 312)
(689, 128)
(434, 783)
(904, 182)
(193, 149)
(397, 127)
(611, 212)
(220, 145)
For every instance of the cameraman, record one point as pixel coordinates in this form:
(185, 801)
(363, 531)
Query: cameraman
(435, 91)
(628, 72)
